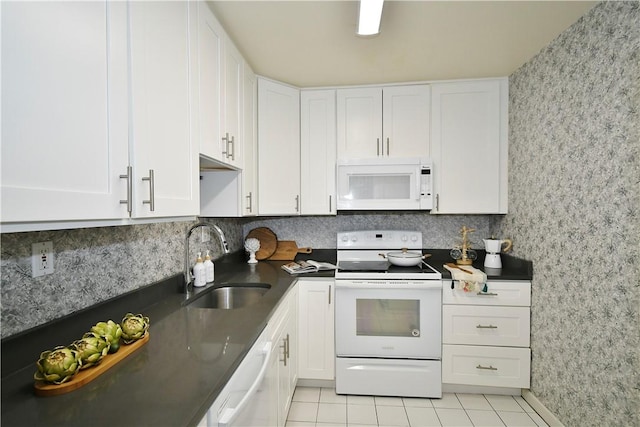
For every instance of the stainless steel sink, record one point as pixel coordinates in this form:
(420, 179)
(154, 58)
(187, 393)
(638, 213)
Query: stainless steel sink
(231, 295)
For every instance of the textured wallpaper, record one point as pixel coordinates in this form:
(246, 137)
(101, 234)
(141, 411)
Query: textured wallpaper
(92, 265)
(574, 195)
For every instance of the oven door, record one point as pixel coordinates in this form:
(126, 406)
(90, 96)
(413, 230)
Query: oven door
(388, 319)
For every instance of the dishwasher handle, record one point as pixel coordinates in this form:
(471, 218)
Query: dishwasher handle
(230, 414)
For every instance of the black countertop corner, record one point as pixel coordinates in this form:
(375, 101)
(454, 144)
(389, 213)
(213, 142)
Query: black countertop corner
(192, 353)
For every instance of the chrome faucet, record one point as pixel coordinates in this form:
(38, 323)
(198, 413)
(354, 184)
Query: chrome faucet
(223, 243)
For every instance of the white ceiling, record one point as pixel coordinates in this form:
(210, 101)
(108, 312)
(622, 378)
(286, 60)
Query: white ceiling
(313, 43)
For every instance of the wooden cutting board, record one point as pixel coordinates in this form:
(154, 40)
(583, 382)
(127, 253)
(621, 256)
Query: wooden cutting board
(268, 241)
(287, 250)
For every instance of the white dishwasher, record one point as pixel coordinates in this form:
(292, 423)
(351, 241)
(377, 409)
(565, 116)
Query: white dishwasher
(243, 399)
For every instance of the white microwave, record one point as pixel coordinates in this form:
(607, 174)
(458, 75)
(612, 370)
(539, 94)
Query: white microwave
(385, 184)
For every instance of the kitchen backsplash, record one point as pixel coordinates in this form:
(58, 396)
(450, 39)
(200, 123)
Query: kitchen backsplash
(573, 206)
(438, 231)
(92, 265)
(95, 264)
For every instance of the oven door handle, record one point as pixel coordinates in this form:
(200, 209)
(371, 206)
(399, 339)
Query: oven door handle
(391, 284)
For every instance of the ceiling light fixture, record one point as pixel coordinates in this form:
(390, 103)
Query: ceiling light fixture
(369, 17)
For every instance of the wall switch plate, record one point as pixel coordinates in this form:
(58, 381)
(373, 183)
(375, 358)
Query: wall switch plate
(41, 259)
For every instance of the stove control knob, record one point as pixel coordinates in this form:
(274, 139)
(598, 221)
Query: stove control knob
(414, 238)
(345, 238)
(404, 238)
(354, 239)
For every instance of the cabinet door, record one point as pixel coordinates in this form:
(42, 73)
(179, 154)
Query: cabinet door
(359, 122)
(232, 101)
(210, 47)
(405, 121)
(469, 144)
(318, 152)
(163, 91)
(316, 355)
(64, 111)
(278, 149)
(250, 144)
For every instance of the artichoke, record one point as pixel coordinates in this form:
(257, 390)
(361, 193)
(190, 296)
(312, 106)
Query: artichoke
(58, 365)
(111, 331)
(91, 349)
(134, 327)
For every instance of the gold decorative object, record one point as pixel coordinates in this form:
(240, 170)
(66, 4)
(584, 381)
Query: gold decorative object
(463, 254)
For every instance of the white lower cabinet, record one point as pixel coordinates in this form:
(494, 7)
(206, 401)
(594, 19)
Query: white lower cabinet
(282, 373)
(486, 336)
(316, 356)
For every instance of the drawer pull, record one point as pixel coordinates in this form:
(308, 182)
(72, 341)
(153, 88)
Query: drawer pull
(489, 368)
(488, 294)
(486, 327)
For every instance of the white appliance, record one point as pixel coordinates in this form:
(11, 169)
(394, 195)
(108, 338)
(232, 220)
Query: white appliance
(384, 184)
(245, 400)
(388, 318)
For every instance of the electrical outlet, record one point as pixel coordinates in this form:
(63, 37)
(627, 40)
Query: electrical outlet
(41, 259)
(205, 235)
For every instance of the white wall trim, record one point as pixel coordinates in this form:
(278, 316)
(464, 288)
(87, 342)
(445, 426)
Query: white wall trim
(546, 414)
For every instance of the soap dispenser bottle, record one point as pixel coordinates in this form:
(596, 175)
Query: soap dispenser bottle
(208, 268)
(199, 278)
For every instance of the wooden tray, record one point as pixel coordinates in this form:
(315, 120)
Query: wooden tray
(287, 251)
(85, 376)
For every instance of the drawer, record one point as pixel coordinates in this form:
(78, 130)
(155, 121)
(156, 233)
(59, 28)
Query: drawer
(486, 366)
(485, 325)
(516, 293)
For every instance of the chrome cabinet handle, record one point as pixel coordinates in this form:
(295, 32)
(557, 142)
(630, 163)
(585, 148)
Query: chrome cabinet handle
(487, 294)
(329, 294)
(330, 200)
(288, 347)
(387, 146)
(486, 327)
(226, 145)
(233, 147)
(250, 207)
(298, 203)
(437, 202)
(284, 351)
(129, 199)
(489, 368)
(151, 202)
(378, 146)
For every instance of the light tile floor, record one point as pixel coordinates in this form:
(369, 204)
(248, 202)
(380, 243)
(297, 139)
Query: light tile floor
(322, 407)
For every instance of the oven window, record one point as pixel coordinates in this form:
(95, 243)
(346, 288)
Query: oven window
(379, 187)
(388, 317)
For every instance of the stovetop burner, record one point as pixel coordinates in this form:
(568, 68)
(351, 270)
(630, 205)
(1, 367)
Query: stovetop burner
(359, 256)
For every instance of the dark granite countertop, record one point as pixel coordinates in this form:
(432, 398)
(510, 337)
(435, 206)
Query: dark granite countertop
(191, 354)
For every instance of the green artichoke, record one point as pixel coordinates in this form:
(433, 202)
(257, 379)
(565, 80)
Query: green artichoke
(58, 365)
(91, 349)
(134, 327)
(111, 331)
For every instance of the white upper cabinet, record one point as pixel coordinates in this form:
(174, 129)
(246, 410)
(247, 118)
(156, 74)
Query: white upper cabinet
(318, 152)
(64, 111)
(221, 69)
(383, 122)
(469, 143)
(163, 108)
(359, 120)
(278, 148)
(405, 118)
(232, 102)
(210, 50)
(250, 144)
